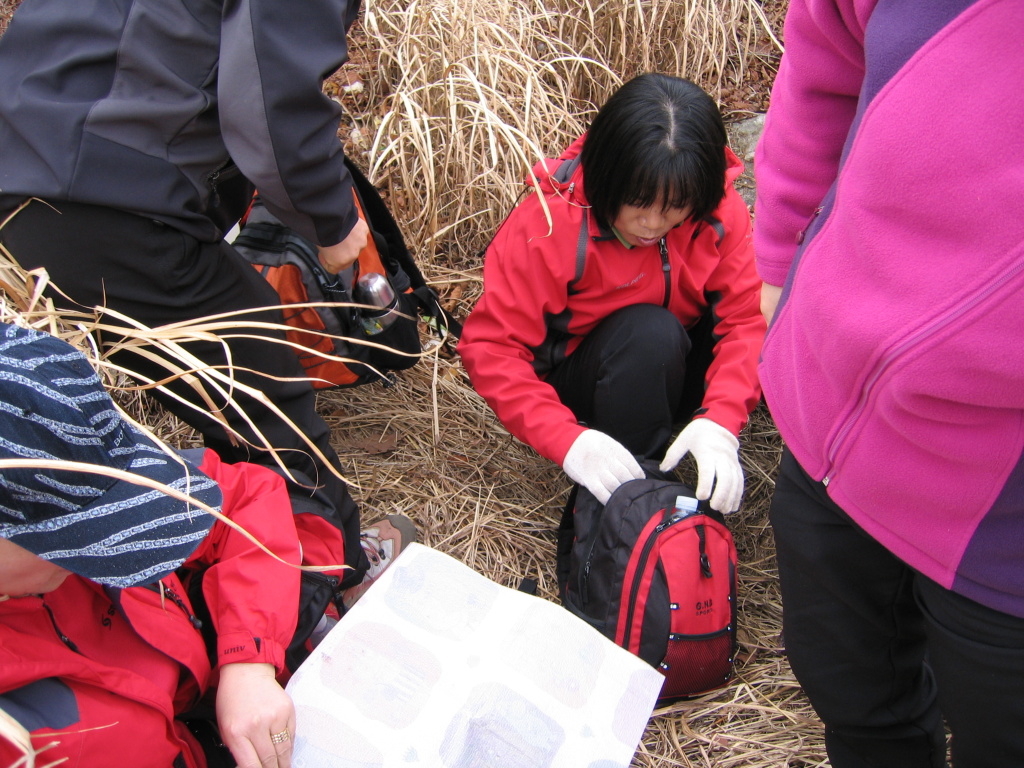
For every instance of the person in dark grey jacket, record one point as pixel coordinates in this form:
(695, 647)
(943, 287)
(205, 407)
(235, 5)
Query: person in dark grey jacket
(132, 133)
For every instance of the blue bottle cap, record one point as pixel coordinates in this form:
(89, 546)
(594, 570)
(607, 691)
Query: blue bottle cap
(686, 504)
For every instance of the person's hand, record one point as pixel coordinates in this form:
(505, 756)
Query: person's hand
(770, 295)
(600, 463)
(335, 258)
(255, 716)
(716, 451)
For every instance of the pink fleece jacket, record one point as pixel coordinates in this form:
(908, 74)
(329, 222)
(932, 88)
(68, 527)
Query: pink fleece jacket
(890, 178)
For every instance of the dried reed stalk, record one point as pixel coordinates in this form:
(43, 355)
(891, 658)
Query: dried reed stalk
(469, 95)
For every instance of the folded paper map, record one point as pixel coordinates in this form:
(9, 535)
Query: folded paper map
(438, 666)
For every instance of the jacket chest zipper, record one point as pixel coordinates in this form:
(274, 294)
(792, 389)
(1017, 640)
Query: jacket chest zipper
(227, 171)
(170, 593)
(212, 180)
(666, 269)
(60, 635)
(195, 622)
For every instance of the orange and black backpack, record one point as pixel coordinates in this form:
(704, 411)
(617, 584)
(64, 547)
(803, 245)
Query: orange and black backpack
(324, 319)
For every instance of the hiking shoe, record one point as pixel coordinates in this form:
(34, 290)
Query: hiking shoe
(382, 542)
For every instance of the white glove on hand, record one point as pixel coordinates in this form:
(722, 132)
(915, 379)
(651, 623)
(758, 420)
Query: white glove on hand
(600, 463)
(716, 451)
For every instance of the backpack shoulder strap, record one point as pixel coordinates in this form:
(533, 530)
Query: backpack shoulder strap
(383, 223)
(566, 169)
(581, 250)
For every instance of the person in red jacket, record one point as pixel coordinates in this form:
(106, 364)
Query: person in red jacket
(622, 298)
(104, 535)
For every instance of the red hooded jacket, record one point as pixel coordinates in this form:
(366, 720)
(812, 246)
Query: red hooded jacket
(99, 675)
(548, 283)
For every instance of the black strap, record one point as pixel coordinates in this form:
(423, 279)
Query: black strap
(529, 586)
(566, 169)
(384, 224)
(565, 536)
(581, 250)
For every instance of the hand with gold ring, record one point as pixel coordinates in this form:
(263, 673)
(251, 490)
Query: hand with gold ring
(255, 715)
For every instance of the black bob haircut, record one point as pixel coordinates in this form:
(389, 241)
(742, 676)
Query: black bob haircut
(657, 139)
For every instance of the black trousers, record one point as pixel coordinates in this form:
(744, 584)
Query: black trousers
(636, 374)
(884, 653)
(157, 275)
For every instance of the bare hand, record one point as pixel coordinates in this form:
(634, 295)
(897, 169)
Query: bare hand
(255, 715)
(770, 295)
(335, 258)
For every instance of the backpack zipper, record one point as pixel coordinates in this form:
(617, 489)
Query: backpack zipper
(584, 578)
(705, 564)
(634, 589)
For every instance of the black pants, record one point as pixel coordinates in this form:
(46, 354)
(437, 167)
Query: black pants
(884, 653)
(156, 274)
(635, 375)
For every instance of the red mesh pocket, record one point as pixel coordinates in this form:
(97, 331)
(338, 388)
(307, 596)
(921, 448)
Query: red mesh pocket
(695, 664)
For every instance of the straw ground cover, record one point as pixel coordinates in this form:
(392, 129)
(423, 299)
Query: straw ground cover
(459, 99)
(449, 103)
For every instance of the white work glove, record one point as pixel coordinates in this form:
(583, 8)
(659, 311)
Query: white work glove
(716, 451)
(600, 463)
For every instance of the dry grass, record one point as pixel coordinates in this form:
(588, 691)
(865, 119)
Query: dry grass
(463, 97)
(6, 9)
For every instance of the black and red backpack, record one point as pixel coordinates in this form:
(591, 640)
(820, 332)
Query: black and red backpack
(655, 571)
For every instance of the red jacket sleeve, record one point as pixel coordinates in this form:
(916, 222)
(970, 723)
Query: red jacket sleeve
(253, 598)
(527, 271)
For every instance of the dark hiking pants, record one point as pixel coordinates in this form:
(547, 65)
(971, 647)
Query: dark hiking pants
(635, 375)
(884, 653)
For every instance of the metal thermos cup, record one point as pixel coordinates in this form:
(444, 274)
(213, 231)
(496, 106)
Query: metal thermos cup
(374, 290)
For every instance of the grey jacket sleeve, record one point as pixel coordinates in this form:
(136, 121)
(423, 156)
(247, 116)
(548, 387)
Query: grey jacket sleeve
(279, 127)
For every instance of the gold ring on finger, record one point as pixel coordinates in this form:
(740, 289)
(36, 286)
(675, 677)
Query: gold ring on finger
(280, 738)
